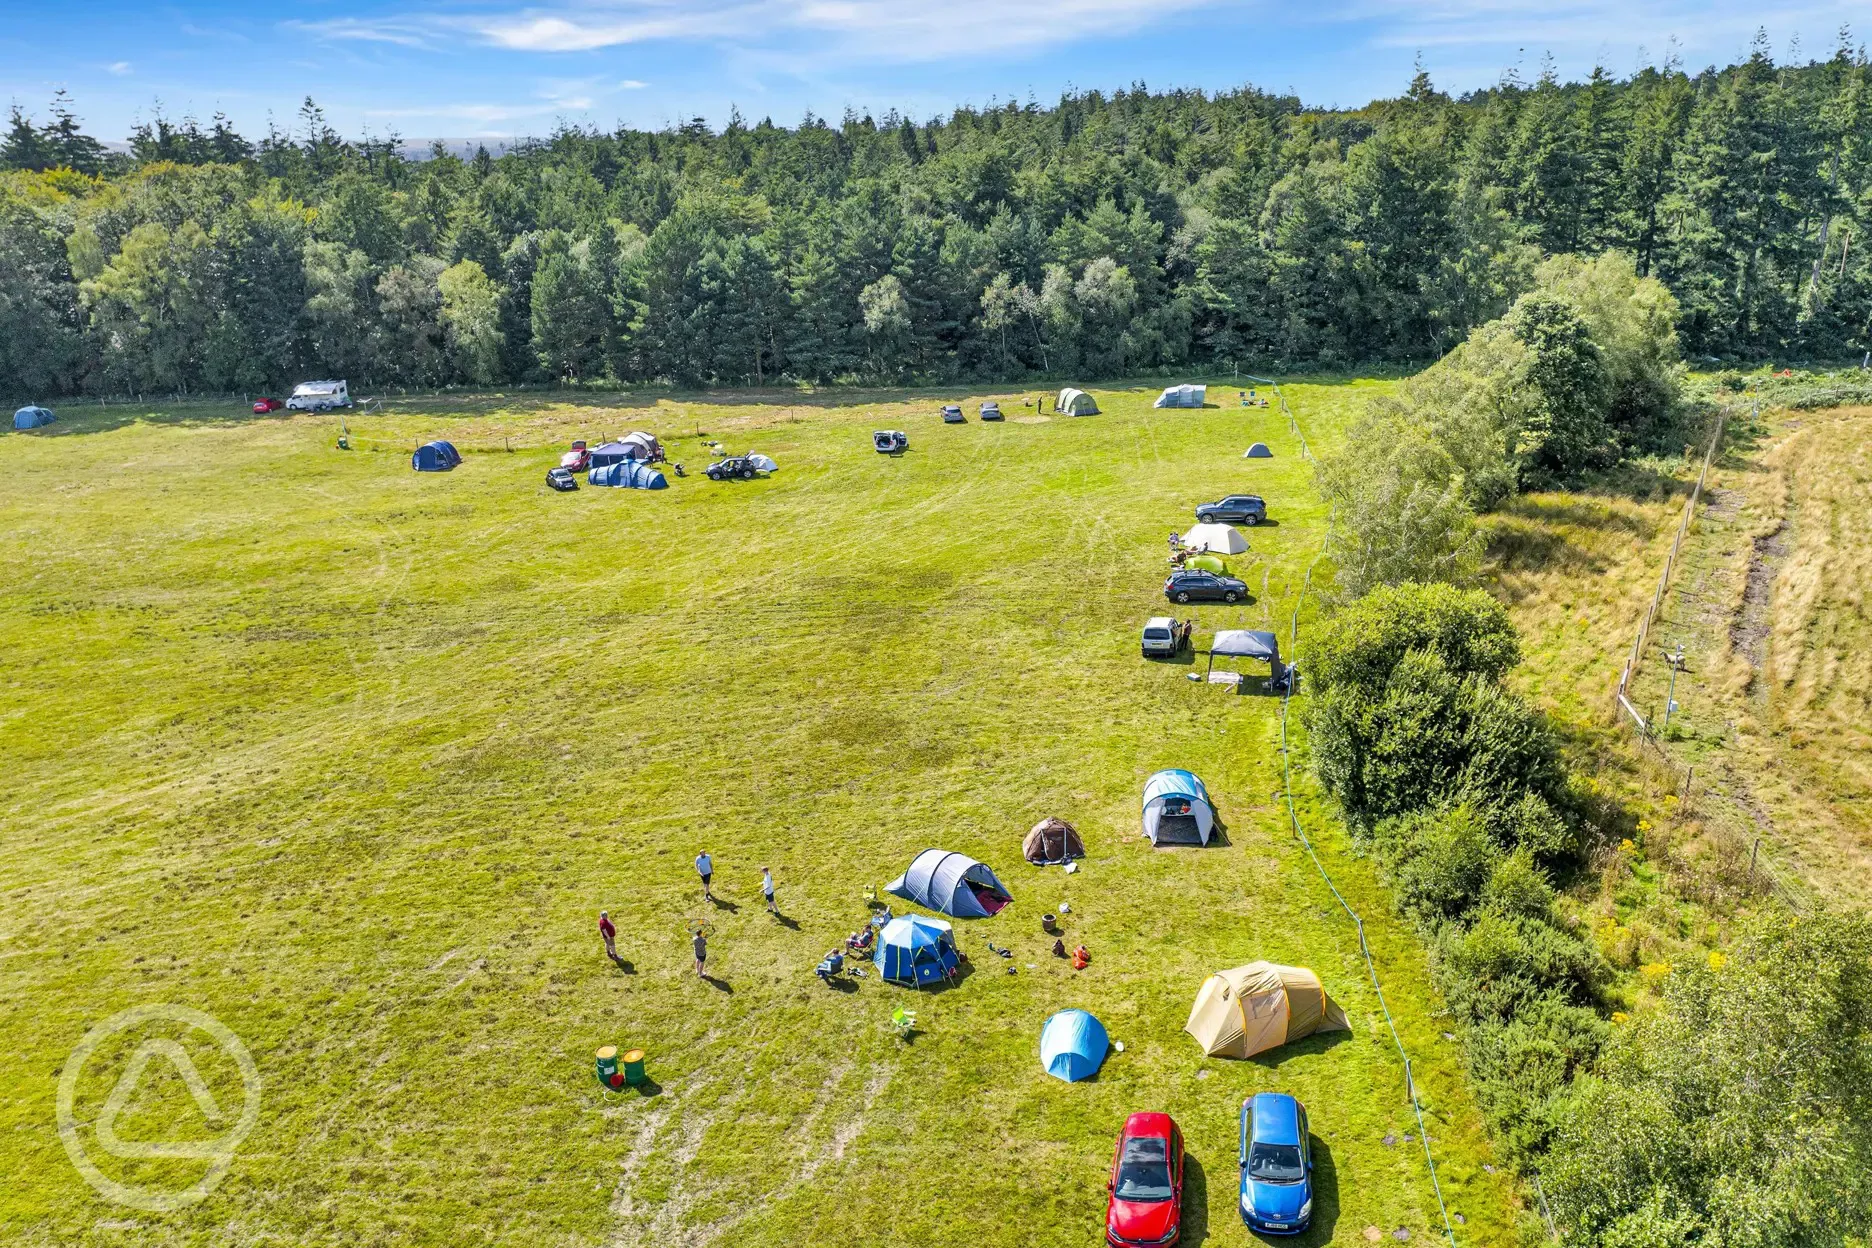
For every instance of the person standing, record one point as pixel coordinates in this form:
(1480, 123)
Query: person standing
(701, 954)
(608, 930)
(705, 867)
(766, 888)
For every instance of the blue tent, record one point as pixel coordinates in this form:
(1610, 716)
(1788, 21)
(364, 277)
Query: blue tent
(630, 474)
(32, 417)
(1258, 451)
(1073, 1045)
(951, 883)
(435, 457)
(1177, 794)
(915, 950)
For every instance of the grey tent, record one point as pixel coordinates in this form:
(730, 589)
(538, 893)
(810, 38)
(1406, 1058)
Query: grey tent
(1258, 451)
(1249, 643)
(1182, 396)
(32, 417)
(951, 883)
(641, 445)
(1075, 403)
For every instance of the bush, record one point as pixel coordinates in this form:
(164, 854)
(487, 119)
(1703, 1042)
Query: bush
(1504, 964)
(1438, 862)
(1521, 1069)
(1740, 1112)
(1467, 629)
(1517, 886)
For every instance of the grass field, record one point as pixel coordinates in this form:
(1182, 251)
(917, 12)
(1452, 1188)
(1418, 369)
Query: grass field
(349, 757)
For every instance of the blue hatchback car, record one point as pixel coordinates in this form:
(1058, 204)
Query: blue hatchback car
(1276, 1165)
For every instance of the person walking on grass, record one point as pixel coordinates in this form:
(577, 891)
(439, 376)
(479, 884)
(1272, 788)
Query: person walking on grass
(705, 867)
(766, 888)
(701, 954)
(608, 930)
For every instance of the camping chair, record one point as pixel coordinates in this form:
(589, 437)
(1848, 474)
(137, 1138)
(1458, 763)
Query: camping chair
(903, 1022)
(870, 894)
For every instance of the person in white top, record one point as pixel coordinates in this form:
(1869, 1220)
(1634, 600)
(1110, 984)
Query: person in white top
(705, 867)
(766, 888)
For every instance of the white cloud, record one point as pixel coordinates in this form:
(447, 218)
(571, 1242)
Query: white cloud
(119, 68)
(631, 84)
(888, 30)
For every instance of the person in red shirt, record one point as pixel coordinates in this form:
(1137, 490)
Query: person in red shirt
(608, 930)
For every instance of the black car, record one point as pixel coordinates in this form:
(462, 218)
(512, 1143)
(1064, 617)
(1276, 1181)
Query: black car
(561, 479)
(991, 411)
(1247, 509)
(736, 467)
(952, 415)
(1192, 585)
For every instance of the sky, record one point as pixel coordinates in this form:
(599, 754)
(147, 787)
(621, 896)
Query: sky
(505, 69)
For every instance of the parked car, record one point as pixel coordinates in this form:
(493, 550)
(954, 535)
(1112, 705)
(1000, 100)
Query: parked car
(1248, 509)
(890, 441)
(561, 479)
(578, 459)
(1165, 637)
(1145, 1204)
(1195, 585)
(952, 415)
(1276, 1165)
(741, 467)
(991, 411)
(262, 406)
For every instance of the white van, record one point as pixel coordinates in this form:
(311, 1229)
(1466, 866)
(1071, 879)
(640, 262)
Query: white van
(319, 396)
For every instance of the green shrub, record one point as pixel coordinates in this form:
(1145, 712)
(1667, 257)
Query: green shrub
(1739, 1113)
(1503, 964)
(1517, 886)
(1437, 861)
(1361, 644)
(1522, 1067)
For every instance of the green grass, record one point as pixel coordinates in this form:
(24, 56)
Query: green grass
(349, 757)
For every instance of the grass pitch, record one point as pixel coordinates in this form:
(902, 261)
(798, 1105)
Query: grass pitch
(350, 757)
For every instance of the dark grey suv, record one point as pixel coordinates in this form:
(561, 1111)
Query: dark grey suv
(1247, 509)
(1191, 585)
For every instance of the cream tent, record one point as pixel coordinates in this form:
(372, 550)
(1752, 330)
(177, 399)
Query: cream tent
(1182, 396)
(1217, 539)
(1258, 1007)
(1075, 403)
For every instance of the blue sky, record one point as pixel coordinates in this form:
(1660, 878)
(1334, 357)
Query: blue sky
(504, 68)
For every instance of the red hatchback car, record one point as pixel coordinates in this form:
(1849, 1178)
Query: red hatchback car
(1146, 1185)
(263, 406)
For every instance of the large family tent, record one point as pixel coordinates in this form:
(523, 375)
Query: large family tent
(1182, 396)
(632, 474)
(1217, 539)
(1052, 841)
(1075, 403)
(32, 417)
(435, 457)
(1177, 809)
(632, 446)
(951, 883)
(1261, 1006)
(1247, 643)
(914, 950)
(1073, 1045)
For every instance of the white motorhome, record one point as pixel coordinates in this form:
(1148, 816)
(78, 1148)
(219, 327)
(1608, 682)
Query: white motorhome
(319, 396)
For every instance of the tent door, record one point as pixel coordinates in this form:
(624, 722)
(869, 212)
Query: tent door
(1178, 830)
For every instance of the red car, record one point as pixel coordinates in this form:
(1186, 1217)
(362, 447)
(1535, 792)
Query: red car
(263, 406)
(578, 459)
(1146, 1185)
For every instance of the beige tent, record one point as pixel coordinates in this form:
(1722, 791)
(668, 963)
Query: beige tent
(1075, 403)
(1258, 1007)
(1052, 840)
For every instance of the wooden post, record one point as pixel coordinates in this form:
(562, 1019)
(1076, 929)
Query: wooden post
(1753, 850)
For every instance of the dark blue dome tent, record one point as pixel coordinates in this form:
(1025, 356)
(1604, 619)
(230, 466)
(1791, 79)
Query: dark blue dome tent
(951, 883)
(914, 950)
(435, 457)
(30, 417)
(633, 474)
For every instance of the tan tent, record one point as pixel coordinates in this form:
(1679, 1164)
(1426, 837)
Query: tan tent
(1258, 1007)
(1052, 840)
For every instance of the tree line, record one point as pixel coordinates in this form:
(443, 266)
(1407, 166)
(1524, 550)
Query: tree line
(1110, 233)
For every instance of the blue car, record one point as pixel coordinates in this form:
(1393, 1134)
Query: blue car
(1276, 1165)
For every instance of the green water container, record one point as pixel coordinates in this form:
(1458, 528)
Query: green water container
(634, 1067)
(607, 1064)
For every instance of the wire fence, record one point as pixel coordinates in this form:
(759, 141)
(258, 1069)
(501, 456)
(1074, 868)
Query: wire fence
(1293, 818)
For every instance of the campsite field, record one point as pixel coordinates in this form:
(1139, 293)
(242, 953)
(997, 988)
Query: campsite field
(349, 757)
